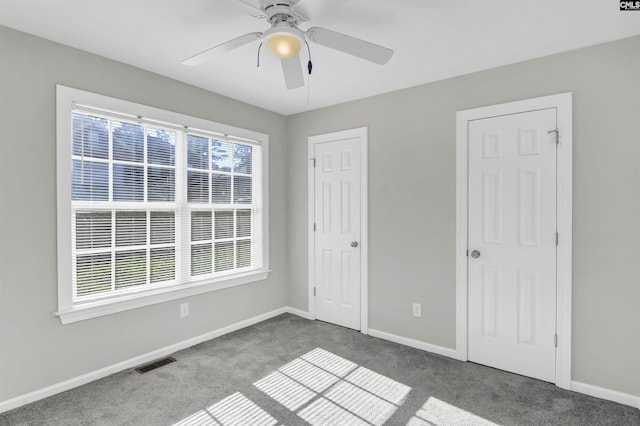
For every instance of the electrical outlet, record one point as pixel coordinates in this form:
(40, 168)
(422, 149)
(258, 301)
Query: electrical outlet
(184, 310)
(417, 310)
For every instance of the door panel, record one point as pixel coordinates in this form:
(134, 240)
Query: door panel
(337, 215)
(512, 224)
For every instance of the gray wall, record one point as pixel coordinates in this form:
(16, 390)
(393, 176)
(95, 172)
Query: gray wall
(29, 333)
(412, 208)
(412, 200)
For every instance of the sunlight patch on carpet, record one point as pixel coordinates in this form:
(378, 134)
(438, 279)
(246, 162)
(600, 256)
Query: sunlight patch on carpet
(323, 412)
(328, 389)
(321, 388)
(237, 409)
(234, 410)
(330, 362)
(379, 385)
(307, 374)
(286, 391)
(201, 418)
(363, 404)
(437, 412)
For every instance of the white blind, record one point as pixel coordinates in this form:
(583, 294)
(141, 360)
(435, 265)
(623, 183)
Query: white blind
(156, 206)
(223, 182)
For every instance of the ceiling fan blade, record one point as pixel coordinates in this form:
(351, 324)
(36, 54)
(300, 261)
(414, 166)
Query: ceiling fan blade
(351, 45)
(221, 48)
(256, 6)
(292, 70)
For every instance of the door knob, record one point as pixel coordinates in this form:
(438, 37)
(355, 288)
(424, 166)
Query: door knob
(354, 244)
(475, 254)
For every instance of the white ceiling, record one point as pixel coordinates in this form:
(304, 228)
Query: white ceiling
(432, 39)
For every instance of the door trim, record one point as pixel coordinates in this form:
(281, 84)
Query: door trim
(362, 134)
(562, 102)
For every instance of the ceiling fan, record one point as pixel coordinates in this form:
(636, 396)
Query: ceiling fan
(285, 39)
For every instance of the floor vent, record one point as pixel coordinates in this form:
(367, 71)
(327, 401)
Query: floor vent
(155, 364)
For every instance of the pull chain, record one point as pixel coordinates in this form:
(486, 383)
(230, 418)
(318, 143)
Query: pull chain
(259, 47)
(309, 68)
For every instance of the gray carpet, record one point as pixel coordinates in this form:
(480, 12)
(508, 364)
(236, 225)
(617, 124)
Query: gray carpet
(288, 369)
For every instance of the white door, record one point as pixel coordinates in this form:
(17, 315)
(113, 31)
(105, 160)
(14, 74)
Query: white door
(512, 243)
(337, 232)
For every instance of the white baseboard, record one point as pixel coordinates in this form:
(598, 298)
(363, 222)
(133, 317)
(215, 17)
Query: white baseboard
(298, 312)
(608, 394)
(587, 389)
(440, 350)
(10, 404)
(48, 391)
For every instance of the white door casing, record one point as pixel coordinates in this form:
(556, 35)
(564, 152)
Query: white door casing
(472, 228)
(512, 241)
(337, 238)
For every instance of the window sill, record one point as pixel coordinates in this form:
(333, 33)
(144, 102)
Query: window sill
(90, 310)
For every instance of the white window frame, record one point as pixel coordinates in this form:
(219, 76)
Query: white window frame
(68, 312)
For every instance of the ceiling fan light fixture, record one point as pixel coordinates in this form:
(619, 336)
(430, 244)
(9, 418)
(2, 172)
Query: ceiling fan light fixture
(284, 42)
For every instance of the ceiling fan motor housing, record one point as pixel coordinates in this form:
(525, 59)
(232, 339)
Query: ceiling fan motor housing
(278, 11)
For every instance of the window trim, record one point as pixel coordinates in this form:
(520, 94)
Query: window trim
(66, 98)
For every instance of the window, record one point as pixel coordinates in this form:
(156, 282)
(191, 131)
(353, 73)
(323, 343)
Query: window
(153, 205)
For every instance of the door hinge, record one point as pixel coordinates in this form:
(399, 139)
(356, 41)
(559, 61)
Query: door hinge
(557, 133)
(314, 227)
(314, 162)
(467, 252)
(557, 239)
(314, 291)
(555, 340)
